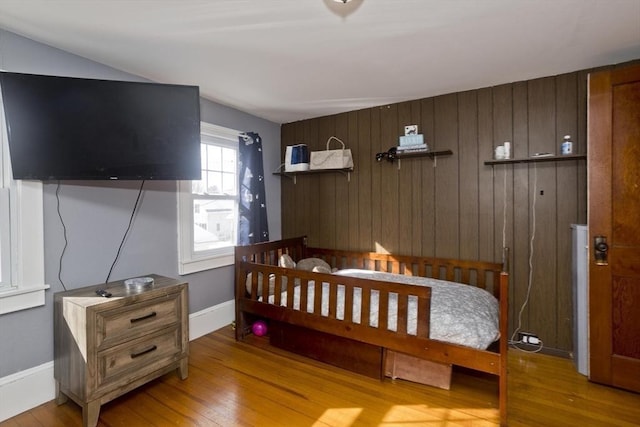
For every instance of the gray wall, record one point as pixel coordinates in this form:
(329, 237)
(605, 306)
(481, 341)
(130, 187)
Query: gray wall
(96, 215)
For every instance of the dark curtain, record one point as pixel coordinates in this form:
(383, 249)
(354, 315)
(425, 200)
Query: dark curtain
(253, 227)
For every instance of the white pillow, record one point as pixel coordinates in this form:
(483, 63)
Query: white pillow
(285, 261)
(308, 264)
(321, 269)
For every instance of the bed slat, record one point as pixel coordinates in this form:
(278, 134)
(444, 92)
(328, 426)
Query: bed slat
(304, 295)
(403, 314)
(365, 306)
(383, 310)
(348, 303)
(333, 301)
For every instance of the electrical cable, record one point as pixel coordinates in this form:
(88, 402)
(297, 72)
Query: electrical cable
(512, 341)
(504, 210)
(133, 213)
(64, 234)
(514, 344)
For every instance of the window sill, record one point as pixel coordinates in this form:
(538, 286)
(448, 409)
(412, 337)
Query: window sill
(22, 299)
(194, 266)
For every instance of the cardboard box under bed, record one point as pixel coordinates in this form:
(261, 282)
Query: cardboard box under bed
(366, 359)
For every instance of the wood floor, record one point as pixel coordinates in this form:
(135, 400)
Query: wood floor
(236, 384)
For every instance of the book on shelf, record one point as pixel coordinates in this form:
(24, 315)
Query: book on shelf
(412, 148)
(411, 140)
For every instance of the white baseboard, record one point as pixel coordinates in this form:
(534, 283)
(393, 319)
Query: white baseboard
(32, 387)
(26, 389)
(211, 319)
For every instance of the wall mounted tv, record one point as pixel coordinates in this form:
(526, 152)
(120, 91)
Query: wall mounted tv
(63, 128)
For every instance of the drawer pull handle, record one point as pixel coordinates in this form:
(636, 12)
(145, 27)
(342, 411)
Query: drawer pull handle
(145, 351)
(148, 316)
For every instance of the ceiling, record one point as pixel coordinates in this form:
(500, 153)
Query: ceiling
(287, 60)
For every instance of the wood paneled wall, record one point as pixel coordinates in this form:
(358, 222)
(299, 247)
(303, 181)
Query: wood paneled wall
(457, 206)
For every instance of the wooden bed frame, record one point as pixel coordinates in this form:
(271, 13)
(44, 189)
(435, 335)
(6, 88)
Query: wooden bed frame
(355, 346)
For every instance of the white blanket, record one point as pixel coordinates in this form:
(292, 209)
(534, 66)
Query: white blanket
(460, 314)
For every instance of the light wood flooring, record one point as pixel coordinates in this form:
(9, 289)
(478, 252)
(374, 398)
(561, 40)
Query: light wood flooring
(237, 384)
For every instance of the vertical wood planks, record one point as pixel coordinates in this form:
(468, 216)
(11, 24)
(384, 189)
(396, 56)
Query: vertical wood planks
(342, 199)
(326, 192)
(542, 134)
(486, 173)
(389, 189)
(359, 151)
(428, 188)
(581, 144)
(365, 172)
(406, 189)
(567, 204)
(288, 196)
(521, 208)
(469, 191)
(376, 180)
(456, 209)
(446, 206)
(417, 212)
(301, 197)
(503, 182)
(312, 216)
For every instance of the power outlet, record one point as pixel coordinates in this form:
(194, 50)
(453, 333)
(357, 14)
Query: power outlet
(528, 338)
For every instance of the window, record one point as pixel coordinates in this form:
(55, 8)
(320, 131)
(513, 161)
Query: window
(21, 237)
(208, 209)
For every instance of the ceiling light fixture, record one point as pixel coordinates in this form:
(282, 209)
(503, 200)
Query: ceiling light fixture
(344, 7)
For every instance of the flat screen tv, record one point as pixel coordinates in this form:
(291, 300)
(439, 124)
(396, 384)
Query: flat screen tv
(63, 128)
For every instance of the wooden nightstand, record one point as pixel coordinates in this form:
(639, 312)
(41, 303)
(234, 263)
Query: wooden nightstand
(105, 347)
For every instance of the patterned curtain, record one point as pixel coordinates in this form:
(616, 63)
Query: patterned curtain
(253, 227)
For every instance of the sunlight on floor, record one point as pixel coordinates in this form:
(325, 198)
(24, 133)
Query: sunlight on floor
(338, 417)
(400, 415)
(411, 415)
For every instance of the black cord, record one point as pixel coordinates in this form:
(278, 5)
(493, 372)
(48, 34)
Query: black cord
(133, 213)
(64, 233)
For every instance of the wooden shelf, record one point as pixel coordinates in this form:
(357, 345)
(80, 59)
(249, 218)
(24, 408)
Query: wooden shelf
(294, 175)
(537, 159)
(433, 155)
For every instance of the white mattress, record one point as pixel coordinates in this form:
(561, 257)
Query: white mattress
(460, 314)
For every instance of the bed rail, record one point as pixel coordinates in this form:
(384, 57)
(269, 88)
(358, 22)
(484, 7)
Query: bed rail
(280, 308)
(485, 275)
(269, 252)
(285, 280)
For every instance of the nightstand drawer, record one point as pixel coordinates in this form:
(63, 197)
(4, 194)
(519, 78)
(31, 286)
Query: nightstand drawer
(128, 322)
(139, 357)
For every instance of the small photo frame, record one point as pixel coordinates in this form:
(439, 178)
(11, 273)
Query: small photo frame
(411, 130)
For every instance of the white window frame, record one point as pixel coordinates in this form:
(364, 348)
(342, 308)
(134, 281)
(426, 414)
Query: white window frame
(189, 261)
(22, 233)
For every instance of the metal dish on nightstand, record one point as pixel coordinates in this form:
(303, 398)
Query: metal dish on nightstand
(138, 283)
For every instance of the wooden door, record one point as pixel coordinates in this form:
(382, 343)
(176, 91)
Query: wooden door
(614, 213)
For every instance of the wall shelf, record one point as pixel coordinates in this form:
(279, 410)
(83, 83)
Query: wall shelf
(537, 159)
(433, 155)
(294, 175)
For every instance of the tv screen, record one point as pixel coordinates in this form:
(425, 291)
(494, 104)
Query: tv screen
(63, 128)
